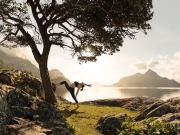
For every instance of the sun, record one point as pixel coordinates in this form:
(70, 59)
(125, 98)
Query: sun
(88, 49)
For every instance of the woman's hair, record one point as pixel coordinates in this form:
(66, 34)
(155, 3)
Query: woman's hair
(82, 88)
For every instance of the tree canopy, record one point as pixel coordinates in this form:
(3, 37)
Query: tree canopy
(99, 25)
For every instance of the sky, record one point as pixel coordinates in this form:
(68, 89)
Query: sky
(159, 50)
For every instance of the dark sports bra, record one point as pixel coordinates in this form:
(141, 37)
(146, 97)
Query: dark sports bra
(76, 83)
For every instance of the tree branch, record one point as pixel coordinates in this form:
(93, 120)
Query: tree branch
(12, 18)
(31, 43)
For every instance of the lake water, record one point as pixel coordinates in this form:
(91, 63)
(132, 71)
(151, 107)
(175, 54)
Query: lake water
(93, 93)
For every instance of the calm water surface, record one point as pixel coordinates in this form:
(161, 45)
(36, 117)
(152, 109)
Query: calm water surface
(93, 93)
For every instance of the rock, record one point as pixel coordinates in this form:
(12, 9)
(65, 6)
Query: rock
(145, 112)
(36, 84)
(159, 111)
(26, 113)
(3, 122)
(3, 102)
(169, 117)
(18, 97)
(160, 108)
(5, 77)
(174, 100)
(173, 118)
(3, 117)
(108, 124)
(23, 81)
(134, 103)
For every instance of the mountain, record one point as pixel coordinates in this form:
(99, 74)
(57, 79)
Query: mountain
(55, 73)
(149, 79)
(19, 63)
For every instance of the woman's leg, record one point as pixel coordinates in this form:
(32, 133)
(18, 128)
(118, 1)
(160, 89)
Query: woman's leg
(73, 95)
(66, 85)
(71, 90)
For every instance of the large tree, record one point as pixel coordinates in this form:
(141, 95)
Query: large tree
(75, 25)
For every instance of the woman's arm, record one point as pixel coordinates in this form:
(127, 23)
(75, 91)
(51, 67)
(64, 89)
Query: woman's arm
(87, 84)
(77, 92)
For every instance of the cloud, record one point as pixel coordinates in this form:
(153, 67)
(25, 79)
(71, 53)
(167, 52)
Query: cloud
(145, 65)
(163, 57)
(54, 60)
(152, 63)
(139, 66)
(167, 66)
(177, 55)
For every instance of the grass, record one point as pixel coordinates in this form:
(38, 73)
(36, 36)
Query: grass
(84, 120)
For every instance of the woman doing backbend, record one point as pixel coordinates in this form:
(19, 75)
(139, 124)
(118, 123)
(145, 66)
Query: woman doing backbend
(71, 89)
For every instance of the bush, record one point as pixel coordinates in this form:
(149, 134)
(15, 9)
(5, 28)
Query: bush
(147, 127)
(30, 91)
(71, 129)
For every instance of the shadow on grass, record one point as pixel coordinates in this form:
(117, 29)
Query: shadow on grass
(68, 112)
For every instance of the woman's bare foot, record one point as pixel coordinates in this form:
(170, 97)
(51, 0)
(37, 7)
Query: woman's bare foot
(77, 106)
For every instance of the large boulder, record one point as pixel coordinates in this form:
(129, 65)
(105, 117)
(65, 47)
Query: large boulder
(160, 108)
(23, 113)
(155, 110)
(22, 104)
(109, 124)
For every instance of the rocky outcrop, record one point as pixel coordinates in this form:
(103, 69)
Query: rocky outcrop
(134, 103)
(160, 108)
(22, 80)
(22, 113)
(163, 111)
(109, 124)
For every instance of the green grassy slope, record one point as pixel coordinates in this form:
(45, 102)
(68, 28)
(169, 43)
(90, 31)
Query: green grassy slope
(83, 120)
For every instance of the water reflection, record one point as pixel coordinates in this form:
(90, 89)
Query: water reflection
(160, 92)
(94, 93)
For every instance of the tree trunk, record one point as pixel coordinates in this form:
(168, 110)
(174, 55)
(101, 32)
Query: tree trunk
(48, 89)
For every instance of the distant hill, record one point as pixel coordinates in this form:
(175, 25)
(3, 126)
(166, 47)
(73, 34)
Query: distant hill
(4, 65)
(57, 77)
(55, 73)
(149, 79)
(13, 62)
(19, 63)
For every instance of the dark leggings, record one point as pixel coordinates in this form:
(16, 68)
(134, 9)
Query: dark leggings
(70, 89)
